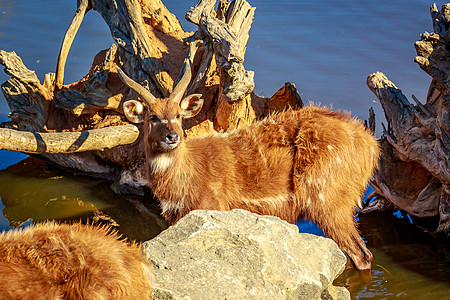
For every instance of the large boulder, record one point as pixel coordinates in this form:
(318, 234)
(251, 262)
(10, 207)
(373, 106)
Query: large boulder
(242, 255)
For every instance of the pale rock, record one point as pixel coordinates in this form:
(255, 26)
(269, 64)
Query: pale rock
(242, 255)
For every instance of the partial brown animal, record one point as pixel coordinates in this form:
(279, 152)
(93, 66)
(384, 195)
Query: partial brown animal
(311, 162)
(50, 261)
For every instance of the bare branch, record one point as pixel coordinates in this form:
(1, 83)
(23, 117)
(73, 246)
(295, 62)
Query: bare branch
(421, 107)
(67, 142)
(227, 37)
(372, 120)
(408, 137)
(27, 99)
(202, 71)
(83, 7)
(379, 204)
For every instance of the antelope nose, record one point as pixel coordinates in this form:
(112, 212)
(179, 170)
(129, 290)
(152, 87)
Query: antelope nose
(172, 138)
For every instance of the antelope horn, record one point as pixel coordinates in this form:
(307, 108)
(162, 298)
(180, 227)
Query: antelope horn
(145, 94)
(181, 86)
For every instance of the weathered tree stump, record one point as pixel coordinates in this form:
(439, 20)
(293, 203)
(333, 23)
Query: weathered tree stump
(150, 46)
(414, 172)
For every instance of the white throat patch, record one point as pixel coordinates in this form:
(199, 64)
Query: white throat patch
(160, 163)
(170, 207)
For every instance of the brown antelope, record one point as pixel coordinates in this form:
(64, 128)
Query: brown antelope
(311, 162)
(50, 261)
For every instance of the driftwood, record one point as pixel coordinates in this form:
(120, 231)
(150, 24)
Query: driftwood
(150, 46)
(67, 142)
(414, 172)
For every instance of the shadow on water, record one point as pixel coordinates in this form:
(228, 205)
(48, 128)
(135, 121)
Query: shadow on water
(32, 190)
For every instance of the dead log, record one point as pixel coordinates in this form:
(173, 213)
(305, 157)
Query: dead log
(414, 172)
(67, 142)
(150, 46)
(226, 32)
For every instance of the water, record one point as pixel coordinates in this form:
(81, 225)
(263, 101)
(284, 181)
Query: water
(34, 190)
(327, 48)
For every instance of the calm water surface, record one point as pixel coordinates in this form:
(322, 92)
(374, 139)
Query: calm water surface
(327, 48)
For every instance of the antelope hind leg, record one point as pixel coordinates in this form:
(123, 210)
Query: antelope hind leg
(340, 227)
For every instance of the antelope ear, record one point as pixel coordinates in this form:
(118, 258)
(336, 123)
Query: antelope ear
(191, 105)
(134, 111)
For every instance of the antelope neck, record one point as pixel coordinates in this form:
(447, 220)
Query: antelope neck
(161, 162)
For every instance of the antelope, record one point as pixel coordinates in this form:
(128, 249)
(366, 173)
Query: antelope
(312, 163)
(50, 261)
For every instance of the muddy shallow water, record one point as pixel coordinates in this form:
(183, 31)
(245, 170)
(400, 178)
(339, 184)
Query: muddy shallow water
(32, 190)
(409, 263)
(327, 48)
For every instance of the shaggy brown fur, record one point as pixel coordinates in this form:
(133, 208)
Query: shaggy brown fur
(50, 261)
(312, 162)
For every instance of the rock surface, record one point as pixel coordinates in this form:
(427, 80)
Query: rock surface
(241, 255)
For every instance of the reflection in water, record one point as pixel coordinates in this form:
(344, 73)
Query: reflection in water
(408, 264)
(30, 189)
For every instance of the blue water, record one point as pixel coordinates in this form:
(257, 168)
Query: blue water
(326, 48)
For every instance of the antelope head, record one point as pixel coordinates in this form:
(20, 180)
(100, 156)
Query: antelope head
(162, 117)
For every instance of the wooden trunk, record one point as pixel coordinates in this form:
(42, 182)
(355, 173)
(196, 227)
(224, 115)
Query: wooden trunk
(414, 172)
(66, 124)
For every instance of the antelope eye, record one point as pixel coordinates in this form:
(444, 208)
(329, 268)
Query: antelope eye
(154, 118)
